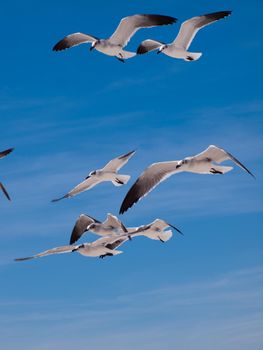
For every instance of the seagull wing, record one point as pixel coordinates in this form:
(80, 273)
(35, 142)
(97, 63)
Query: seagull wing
(4, 191)
(147, 181)
(114, 222)
(218, 155)
(128, 26)
(116, 242)
(73, 40)
(115, 164)
(148, 45)
(87, 184)
(80, 227)
(58, 250)
(6, 152)
(161, 224)
(190, 27)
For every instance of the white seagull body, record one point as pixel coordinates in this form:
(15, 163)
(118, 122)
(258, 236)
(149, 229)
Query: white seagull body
(155, 230)
(114, 45)
(105, 246)
(111, 226)
(108, 173)
(179, 47)
(2, 155)
(204, 163)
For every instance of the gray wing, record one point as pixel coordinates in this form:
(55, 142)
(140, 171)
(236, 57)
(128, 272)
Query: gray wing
(85, 185)
(80, 227)
(147, 181)
(128, 26)
(6, 152)
(117, 242)
(73, 40)
(218, 155)
(58, 250)
(148, 45)
(190, 27)
(114, 222)
(4, 191)
(161, 224)
(115, 164)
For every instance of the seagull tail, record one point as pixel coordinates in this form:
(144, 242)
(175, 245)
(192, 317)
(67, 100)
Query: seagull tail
(116, 252)
(165, 235)
(220, 169)
(193, 56)
(121, 180)
(127, 54)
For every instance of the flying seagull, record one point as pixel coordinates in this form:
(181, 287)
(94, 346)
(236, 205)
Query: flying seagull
(179, 47)
(108, 173)
(155, 230)
(111, 226)
(2, 155)
(113, 46)
(203, 163)
(105, 246)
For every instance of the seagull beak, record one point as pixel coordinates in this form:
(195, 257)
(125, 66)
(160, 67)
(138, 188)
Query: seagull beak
(159, 51)
(91, 48)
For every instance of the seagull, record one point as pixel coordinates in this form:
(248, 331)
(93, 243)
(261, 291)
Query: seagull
(105, 246)
(179, 47)
(203, 163)
(155, 230)
(108, 173)
(114, 45)
(2, 155)
(111, 226)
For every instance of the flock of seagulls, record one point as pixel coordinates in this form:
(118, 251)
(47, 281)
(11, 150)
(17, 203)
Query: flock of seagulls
(112, 232)
(128, 26)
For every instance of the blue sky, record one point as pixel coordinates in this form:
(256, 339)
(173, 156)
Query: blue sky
(69, 113)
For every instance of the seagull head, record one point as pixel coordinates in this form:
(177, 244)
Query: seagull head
(93, 45)
(91, 226)
(161, 49)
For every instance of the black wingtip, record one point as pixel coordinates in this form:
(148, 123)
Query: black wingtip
(59, 199)
(219, 15)
(127, 154)
(141, 50)
(177, 229)
(4, 191)
(161, 19)
(60, 46)
(23, 259)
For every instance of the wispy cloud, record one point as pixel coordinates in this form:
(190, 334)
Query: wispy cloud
(228, 309)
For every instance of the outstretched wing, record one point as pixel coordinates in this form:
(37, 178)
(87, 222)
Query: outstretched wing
(6, 152)
(85, 185)
(161, 225)
(58, 250)
(190, 27)
(117, 242)
(80, 227)
(148, 45)
(147, 181)
(115, 164)
(114, 222)
(73, 40)
(218, 155)
(128, 26)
